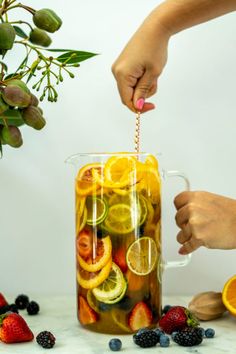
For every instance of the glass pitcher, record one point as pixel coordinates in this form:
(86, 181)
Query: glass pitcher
(118, 240)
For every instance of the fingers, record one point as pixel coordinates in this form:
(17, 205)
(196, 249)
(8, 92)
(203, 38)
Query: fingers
(126, 92)
(189, 247)
(146, 87)
(185, 234)
(182, 199)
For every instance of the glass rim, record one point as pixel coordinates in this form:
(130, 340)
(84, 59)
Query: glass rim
(97, 154)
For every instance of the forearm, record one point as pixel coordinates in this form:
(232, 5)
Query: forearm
(177, 15)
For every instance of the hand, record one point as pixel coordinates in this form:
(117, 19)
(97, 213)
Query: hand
(205, 219)
(140, 64)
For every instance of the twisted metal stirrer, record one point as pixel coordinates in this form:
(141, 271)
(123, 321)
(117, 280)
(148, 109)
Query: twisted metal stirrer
(137, 133)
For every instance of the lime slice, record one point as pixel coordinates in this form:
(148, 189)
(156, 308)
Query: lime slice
(120, 319)
(142, 255)
(122, 218)
(92, 301)
(143, 210)
(112, 287)
(97, 209)
(120, 297)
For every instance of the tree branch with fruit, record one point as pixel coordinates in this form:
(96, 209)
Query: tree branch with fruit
(44, 66)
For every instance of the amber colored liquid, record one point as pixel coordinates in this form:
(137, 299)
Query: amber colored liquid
(115, 318)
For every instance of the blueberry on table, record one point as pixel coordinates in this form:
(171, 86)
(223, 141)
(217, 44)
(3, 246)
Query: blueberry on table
(164, 341)
(115, 344)
(209, 333)
(166, 308)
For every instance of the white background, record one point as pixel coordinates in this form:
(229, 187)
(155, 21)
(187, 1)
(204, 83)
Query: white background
(194, 127)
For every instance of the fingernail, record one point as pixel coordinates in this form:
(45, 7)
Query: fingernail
(140, 103)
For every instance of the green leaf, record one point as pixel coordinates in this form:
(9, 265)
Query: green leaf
(13, 117)
(20, 32)
(4, 66)
(32, 70)
(59, 50)
(73, 57)
(1, 154)
(11, 76)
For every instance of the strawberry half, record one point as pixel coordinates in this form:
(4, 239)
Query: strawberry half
(140, 316)
(3, 301)
(177, 318)
(86, 314)
(14, 329)
(120, 260)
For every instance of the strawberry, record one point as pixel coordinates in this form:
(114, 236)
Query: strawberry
(140, 316)
(86, 314)
(119, 259)
(176, 319)
(3, 301)
(14, 329)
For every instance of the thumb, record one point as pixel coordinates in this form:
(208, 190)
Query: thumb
(142, 89)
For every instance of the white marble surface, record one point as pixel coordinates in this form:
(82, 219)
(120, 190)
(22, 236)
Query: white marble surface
(58, 315)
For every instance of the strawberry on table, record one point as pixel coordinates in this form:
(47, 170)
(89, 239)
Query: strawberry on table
(14, 329)
(140, 316)
(177, 318)
(3, 301)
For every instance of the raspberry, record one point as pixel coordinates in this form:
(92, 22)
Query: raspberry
(46, 339)
(32, 308)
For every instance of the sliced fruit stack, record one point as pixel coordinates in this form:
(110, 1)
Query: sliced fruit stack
(118, 242)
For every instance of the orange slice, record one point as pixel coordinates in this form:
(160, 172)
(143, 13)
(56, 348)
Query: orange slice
(90, 280)
(229, 295)
(151, 184)
(85, 182)
(118, 166)
(103, 249)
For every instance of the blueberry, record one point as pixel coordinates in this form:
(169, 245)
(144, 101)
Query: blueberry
(125, 304)
(173, 334)
(209, 333)
(164, 341)
(115, 344)
(166, 309)
(202, 331)
(141, 330)
(158, 331)
(104, 307)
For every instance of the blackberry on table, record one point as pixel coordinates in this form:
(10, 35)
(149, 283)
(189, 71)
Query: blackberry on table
(32, 308)
(189, 336)
(146, 339)
(7, 308)
(22, 301)
(46, 339)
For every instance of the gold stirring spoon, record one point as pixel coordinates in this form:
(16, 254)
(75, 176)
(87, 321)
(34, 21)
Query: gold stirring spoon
(137, 133)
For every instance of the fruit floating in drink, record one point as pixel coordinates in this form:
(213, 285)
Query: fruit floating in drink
(118, 243)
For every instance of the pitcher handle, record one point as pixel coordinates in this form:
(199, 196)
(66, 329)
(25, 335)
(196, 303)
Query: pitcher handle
(186, 259)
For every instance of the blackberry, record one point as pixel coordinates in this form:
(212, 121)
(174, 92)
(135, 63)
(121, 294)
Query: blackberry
(32, 308)
(46, 339)
(22, 301)
(189, 336)
(7, 308)
(146, 339)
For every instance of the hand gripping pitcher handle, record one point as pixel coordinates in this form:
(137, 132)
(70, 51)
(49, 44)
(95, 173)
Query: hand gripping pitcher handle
(185, 259)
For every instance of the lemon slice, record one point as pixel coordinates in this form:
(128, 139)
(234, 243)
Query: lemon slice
(96, 210)
(122, 219)
(92, 301)
(81, 221)
(90, 280)
(143, 210)
(112, 287)
(142, 256)
(120, 297)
